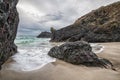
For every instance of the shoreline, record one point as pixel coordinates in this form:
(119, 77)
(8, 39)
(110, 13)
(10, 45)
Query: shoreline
(61, 70)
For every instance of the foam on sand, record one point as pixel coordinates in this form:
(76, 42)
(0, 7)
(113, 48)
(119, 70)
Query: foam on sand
(97, 48)
(31, 59)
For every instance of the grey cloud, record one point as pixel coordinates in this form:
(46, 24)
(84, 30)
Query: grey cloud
(51, 17)
(40, 15)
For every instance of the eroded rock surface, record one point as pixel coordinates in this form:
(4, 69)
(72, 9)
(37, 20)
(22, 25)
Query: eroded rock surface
(9, 20)
(101, 25)
(79, 52)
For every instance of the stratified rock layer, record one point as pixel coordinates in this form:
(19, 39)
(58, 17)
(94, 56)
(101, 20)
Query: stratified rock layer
(79, 52)
(8, 28)
(101, 25)
(44, 35)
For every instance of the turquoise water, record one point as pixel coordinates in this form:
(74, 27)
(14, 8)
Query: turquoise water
(30, 40)
(32, 53)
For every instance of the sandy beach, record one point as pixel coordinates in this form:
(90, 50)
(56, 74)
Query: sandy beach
(61, 70)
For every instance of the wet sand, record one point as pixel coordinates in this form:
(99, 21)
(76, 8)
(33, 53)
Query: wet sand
(60, 70)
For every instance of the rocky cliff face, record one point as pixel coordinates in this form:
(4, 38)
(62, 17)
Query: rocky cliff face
(101, 25)
(8, 28)
(44, 35)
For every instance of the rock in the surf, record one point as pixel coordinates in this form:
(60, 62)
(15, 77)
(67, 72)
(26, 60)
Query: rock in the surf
(44, 35)
(79, 52)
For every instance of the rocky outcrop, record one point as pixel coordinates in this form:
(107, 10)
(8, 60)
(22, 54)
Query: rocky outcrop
(79, 52)
(8, 28)
(101, 25)
(44, 35)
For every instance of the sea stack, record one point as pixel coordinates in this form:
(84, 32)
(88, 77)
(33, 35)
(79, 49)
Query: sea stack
(9, 20)
(44, 35)
(101, 25)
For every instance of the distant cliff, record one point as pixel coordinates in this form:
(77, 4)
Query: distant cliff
(8, 28)
(44, 35)
(101, 25)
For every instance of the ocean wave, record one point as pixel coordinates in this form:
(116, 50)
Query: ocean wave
(31, 59)
(32, 54)
(97, 48)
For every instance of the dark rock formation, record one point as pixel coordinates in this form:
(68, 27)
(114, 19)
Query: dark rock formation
(101, 25)
(44, 35)
(79, 52)
(8, 28)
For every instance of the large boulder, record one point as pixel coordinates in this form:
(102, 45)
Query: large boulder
(44, 35)
(79, 52)
(101, 25)
(8, 28)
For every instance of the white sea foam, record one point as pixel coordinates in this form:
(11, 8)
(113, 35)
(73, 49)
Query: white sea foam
(32, 53)
(31, 59)
(97, 48)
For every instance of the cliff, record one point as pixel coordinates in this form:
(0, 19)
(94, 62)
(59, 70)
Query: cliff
(44, 35)
(9, 20)
(101, 25)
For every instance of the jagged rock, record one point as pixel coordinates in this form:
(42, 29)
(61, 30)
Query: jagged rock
(8, 28)
(79, 52)
(44, 35)
(101, 25)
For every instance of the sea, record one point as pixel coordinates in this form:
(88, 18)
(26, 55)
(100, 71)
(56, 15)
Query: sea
(33, 53)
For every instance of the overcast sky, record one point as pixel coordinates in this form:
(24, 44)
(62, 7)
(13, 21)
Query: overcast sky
(40, 15)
